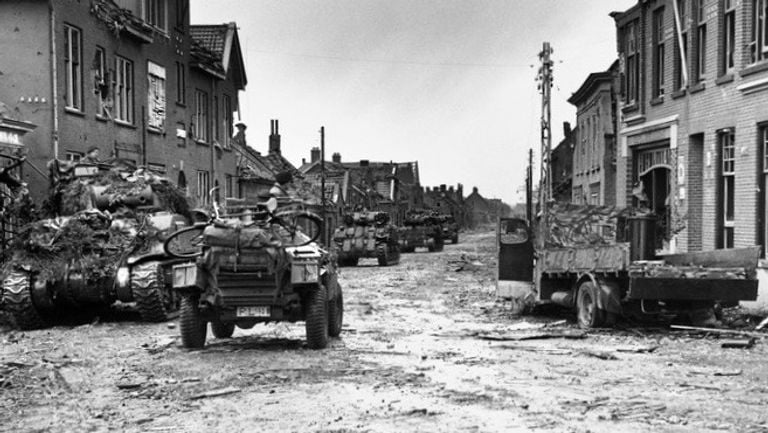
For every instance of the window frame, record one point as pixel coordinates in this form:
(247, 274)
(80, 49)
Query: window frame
(701, 42)
(156, 95)
(758, 45)
(202, 115)
(726, 142)
(73, 67)
(659, 53)
(124, 90)
(728, 61)
(155, 14)
(632, 68)
(203, 187)
(181, 83)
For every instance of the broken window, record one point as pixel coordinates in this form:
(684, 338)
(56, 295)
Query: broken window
(156, 96)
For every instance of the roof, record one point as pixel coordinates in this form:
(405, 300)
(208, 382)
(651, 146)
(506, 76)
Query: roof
(592, 83)
(216, 49)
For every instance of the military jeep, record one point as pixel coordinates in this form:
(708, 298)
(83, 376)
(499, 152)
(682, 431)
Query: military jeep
(367, 235)
(258, 265)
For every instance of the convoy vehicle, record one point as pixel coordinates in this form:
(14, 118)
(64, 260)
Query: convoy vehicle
(421, 230)
(602, 262)
(367, 235)
(449, 227)
(100, 242)
(256, 264)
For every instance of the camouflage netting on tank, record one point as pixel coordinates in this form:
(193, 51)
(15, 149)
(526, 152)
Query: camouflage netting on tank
(419, 218)
(568, 225)
(87, 242)
(76, 195)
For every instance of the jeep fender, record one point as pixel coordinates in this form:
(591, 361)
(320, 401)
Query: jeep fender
(609, 292)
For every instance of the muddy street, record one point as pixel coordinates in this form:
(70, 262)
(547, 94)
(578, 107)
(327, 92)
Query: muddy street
(425, 347)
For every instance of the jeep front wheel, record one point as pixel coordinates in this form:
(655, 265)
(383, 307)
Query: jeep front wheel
(316, 306)
(193, 327)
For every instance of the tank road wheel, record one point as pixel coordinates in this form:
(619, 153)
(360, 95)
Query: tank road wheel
(155, 301)
(191, 323)
(587, 312)
(17, 298)
(221, 329)
(335, 314)
(316, 305)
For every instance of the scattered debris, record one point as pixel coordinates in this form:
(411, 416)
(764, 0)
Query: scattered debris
(637, 349)
(568, 334)
(743, 343)
(216, 393)
(726, 373)
(762, 324)
(601, 355)
(718, 331)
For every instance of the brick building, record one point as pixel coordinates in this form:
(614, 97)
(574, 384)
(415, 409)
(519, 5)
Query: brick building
(130, 77)
(562, 164)
(594, 142)
(693, 133)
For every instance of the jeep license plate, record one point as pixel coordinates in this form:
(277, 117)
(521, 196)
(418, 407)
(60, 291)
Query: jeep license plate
(253, 312)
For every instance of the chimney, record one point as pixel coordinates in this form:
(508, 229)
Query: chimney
(566, 129)
(314, 154)
(474, 190)
(274, 138)
(450, 189)
(364, 163)
(442, 188)
(336, 157)
(460, 191)
(303, 161)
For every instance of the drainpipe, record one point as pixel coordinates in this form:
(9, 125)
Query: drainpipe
(55, 83)
(683, 56)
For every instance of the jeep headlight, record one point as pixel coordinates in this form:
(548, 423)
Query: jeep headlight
(123, 277)
(305, 273)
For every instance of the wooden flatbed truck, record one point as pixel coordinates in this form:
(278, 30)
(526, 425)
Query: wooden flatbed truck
(601, 261)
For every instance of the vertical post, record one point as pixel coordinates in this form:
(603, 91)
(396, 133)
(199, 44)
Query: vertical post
(322, 184)
(143, 135)
(545, 179)
(529, 189)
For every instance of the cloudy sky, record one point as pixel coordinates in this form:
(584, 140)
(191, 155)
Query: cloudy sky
(447, 83)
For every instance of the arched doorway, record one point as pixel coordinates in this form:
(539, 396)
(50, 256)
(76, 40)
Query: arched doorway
(653, 174)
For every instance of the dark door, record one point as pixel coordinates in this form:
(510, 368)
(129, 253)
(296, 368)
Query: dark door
(515, 250)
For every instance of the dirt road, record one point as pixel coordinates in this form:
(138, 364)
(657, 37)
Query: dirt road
(425, 347)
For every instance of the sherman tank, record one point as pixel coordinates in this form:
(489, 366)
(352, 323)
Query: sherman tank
(421, 230)
(98, 239)
(367, 235)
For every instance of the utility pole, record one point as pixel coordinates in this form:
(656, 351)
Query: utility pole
(529, 189)
(322, 184)
(545, 87)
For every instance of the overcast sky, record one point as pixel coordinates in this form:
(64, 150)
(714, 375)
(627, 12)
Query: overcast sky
(447, 83)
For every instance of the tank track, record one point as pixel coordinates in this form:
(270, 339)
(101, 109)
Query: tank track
(154, 302)
(17, 300)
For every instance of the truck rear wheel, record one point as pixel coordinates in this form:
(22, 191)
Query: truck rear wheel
(155, 301)
(191, 323)
(221, 329)
(588, 314)
(335, 314)
(17, 298)
(316, 305)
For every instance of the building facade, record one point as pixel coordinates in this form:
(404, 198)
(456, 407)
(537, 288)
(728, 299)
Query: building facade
(693, 133)
(594, 142)
(132, 78)
(561, 162)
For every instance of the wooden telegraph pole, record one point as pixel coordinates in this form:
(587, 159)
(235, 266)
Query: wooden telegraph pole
(545, 87)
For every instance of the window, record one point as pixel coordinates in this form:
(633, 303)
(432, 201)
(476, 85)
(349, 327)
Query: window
(658, 52)
(101, 83)
(594, 193)
(216, 124)
(181, 13)
(726, 202)
(228, 122)
(124, 90)
(632, 74)
(681, 57)
(73, 156)
(763, 143)
(181, 83)
(156, 96)
(759, 44)
(73, 71)
(701, 41)
(201, 116)
(203, 187)
(154, 13)
(729, 36)
(229, 186)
